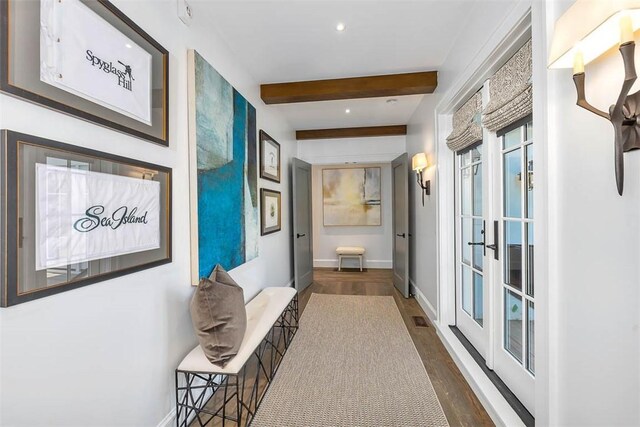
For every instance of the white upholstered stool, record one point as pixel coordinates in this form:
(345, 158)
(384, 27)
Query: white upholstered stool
(349, 252)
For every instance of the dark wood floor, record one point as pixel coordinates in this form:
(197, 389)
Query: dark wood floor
(460, 404)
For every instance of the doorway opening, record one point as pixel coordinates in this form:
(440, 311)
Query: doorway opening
(359, 205)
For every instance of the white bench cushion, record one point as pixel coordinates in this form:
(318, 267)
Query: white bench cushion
(350, 250)
(262, 312)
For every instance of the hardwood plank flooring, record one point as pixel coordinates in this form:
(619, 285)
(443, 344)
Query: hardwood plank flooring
(460, 404)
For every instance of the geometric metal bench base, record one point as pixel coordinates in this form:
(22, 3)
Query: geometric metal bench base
(233, 399)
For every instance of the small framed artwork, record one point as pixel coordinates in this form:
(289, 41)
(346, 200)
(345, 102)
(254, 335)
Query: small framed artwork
(86, 59)
(269, 158)
(270, 211)
(74, 216)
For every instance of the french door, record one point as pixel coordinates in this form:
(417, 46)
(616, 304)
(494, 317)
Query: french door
(514, 356)
(470, 224)
(495, 298)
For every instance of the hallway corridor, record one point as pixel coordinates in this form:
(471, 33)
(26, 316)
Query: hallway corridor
(460, 405)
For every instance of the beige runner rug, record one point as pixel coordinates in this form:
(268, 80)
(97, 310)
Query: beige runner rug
(352, 363)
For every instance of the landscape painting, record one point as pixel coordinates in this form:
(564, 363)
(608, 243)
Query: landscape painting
(351, 196)
(222, 139)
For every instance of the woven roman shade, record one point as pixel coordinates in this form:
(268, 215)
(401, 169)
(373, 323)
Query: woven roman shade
(466, 128)
(510, 91)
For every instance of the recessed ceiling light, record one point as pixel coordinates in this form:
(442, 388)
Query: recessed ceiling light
(128, 46)
(347, 111)
(341, 27)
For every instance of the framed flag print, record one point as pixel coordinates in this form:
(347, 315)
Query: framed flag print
(76, 216)
(87, 59)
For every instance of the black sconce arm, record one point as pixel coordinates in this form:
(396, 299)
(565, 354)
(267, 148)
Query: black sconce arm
(426, 186)
(624, 115)
(578, 80)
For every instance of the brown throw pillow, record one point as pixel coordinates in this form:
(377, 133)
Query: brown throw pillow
(219, 316)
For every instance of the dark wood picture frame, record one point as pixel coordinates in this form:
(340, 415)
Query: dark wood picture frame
(266, 139)
(12, 227)
(264, 192)
(32, 95)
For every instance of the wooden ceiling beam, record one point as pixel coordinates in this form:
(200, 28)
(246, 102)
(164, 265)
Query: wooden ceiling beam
(360, 132)
(350, 88)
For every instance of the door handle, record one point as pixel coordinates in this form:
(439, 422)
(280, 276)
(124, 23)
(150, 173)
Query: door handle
(300, 235)
(495, 246)
(483, 243)
(20, 233)
(401, 235)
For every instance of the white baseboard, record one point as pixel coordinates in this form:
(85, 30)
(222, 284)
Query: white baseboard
(492, 400)
(424, 303)
(353, 263)
(169, 420)
(496, 405)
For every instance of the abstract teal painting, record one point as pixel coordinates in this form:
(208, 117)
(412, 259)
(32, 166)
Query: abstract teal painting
(222, 134)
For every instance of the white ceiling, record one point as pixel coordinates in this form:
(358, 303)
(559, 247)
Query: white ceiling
(364, 112)
(294, 40)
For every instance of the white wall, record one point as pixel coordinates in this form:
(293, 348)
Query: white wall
(486, 37)
(469, 52)
(423, 264)
(477, 39)
(334, 151)
(587, 339)
(595, 237)
(345, 152)
(105, 354)
(377, 240)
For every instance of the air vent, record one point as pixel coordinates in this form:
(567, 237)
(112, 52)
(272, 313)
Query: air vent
(420, 321)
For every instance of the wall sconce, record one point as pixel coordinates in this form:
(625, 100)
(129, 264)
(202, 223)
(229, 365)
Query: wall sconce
(587, 30)
(418, 164)
(529, 175)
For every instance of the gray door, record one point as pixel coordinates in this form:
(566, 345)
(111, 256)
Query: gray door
(400, 167)
(302, 225)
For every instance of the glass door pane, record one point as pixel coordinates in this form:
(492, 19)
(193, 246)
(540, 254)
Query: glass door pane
(530, 337)
(478, 298)
(470, 297)
(518, 314)
(514, 326)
